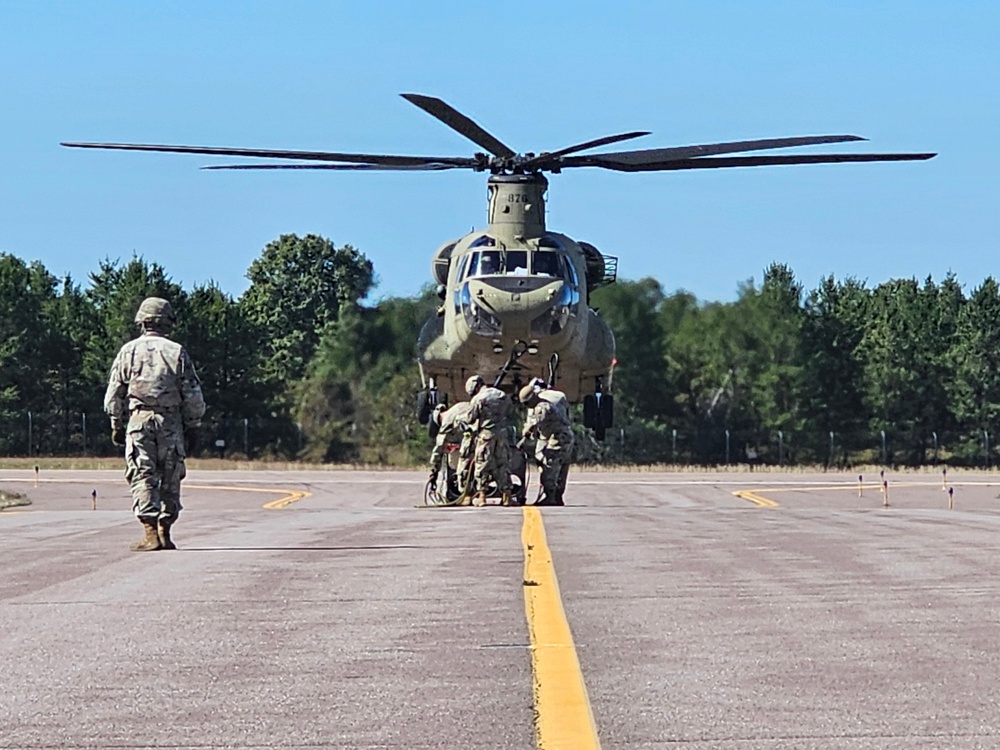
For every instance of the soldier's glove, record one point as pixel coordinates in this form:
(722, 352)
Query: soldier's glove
(190, 440)
(118, 435)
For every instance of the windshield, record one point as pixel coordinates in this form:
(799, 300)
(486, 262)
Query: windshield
(570, 272)
(461, 268)
(497, 262)
(516, 262)
(546, 263)
(485, 263)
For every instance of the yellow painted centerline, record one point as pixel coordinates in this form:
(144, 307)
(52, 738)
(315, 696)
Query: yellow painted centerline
(563, 717)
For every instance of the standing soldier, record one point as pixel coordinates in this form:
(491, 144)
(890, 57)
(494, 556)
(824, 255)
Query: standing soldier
(155, 403)
(490, 415)
(549, 423)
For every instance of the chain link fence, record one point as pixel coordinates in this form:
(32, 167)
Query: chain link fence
(28, 434)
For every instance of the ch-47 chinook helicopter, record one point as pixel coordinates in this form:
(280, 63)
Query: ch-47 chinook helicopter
(516, 295)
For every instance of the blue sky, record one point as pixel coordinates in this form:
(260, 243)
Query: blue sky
(910, 76)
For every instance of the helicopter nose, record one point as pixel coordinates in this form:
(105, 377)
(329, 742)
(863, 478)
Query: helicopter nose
(518, 297)
(508, 306)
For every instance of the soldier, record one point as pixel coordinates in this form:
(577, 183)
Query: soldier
(549, 423)
(490, 415)
(155, 403)
(451, 431)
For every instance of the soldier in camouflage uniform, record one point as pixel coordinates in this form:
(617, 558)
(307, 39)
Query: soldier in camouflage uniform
(451, 431)
(549, 423)
(490, 414)
(155, 403)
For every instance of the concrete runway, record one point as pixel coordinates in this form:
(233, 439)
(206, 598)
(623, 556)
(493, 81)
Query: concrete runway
(793, 615)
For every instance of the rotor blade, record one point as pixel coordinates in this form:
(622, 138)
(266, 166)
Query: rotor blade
(429, 167)
(746, 161)
(544, 159)
(658, 155)
(394, 161)
(459, 122)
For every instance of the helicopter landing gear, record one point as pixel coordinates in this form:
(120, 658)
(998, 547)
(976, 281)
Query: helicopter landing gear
(598, 410)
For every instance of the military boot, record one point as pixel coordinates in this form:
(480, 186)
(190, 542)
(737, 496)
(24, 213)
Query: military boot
(480, 499)
(163, 531)
(506, 498)
(548, 498)
(150, 542)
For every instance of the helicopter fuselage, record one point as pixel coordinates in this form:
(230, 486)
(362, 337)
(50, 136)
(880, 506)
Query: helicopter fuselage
(517, 285)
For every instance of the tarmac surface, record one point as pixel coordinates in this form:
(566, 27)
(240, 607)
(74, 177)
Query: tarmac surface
(795, 614)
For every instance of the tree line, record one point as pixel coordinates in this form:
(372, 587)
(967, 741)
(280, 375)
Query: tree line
(295, 367)
(901, 373)
(298, 367)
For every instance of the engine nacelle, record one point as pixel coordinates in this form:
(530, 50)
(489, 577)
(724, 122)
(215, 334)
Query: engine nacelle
(441, 262)
(601, 269)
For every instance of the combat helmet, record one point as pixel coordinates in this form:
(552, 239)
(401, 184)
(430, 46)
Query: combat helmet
(155, 312)
(528, 395)
(438, 413)
(473, 384)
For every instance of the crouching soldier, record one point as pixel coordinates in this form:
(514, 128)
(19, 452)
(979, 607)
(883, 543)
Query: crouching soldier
(548, 422)
(452, 424)
(155, 403)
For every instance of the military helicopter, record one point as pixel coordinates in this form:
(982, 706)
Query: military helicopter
(515, 296)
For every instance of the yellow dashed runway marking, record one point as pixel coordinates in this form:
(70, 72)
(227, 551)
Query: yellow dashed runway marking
(756, 499)
(288, 496)
(563, 717)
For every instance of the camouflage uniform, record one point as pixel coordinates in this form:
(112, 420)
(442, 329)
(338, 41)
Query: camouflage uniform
(549, 422)
(490, 414)
(450, 432)
(154, 395)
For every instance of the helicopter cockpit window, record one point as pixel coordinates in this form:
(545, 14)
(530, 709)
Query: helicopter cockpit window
(489, 263)
(546, 263)
(496, 262)
(516, 262)
(570, 272)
